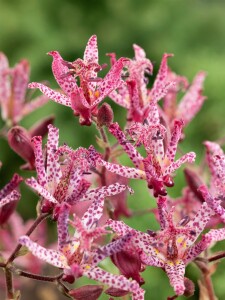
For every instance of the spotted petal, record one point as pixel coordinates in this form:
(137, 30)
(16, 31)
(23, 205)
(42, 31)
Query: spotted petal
(51, 94)
(52, 257)
(61, 73)
(188, 157)
(13, 196)
(192, 101)
(32, 182)
(111, 81)
(175, 271)
(116, 281)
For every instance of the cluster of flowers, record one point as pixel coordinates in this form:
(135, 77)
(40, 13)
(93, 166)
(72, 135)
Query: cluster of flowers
(85, 191)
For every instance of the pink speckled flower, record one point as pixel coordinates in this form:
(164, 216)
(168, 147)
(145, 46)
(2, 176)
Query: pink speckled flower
(13, 87)
(159, 164)
(84, 99)
(61, 179)
(190, 103)
(134, 95)
(173, 246)
(78, 256)
(214, 196)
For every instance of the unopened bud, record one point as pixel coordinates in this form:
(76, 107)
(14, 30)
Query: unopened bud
(68, 278)
(41, 128)
(158, 187)
(92, 292)
(129, 264)
(105, 115)
(47, 207)
(6, 211)
(189, 287)
(20, 141)
(114, 292)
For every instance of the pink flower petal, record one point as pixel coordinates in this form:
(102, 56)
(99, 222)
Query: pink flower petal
(39, 160)
(192, 101)
(62, 226)
(116, 281)
(175, 271)
(111, 248)
(176, 135)
(94, 212)
(39, 188)
(134, 155)
(61, 73)
(9, 187)
(161, 86)
(51, 94)
(122, 170)
(20, 77)
(188, 157)
(13, 196)
(91, 50)
(111, 81)
(53, 168)
(52, 257)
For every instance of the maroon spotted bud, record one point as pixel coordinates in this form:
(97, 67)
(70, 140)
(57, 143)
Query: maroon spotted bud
(189, 287)
(68, 278)
(168, 181)
(6, 211)
(87, 292)
(194, 182)
(105, 115)
(158, 187)
(41, 127)
(129, 264)
(19, 140)
(47, 207)
(114, 292)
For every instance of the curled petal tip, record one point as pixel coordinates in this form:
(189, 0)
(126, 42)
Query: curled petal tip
(53, 53)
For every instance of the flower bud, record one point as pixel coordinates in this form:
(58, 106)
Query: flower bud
(68, 278)
(189, 287)
(129, 264)
(41, 127)
(114, 292)
(105, 115)
(47, 207)
(20, 141)
(86, 292)
(6, 211)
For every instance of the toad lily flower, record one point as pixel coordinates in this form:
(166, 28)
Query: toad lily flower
(190, 103)
(158, 166)
(13, 87)
(173, 246)
(84, 99)
(214, 196)
(63, 182)
(135, 96)
(78, 256)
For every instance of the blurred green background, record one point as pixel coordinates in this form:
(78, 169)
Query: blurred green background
(193, 30)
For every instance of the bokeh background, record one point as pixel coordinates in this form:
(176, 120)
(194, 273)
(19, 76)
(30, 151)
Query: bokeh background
(193, 30)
